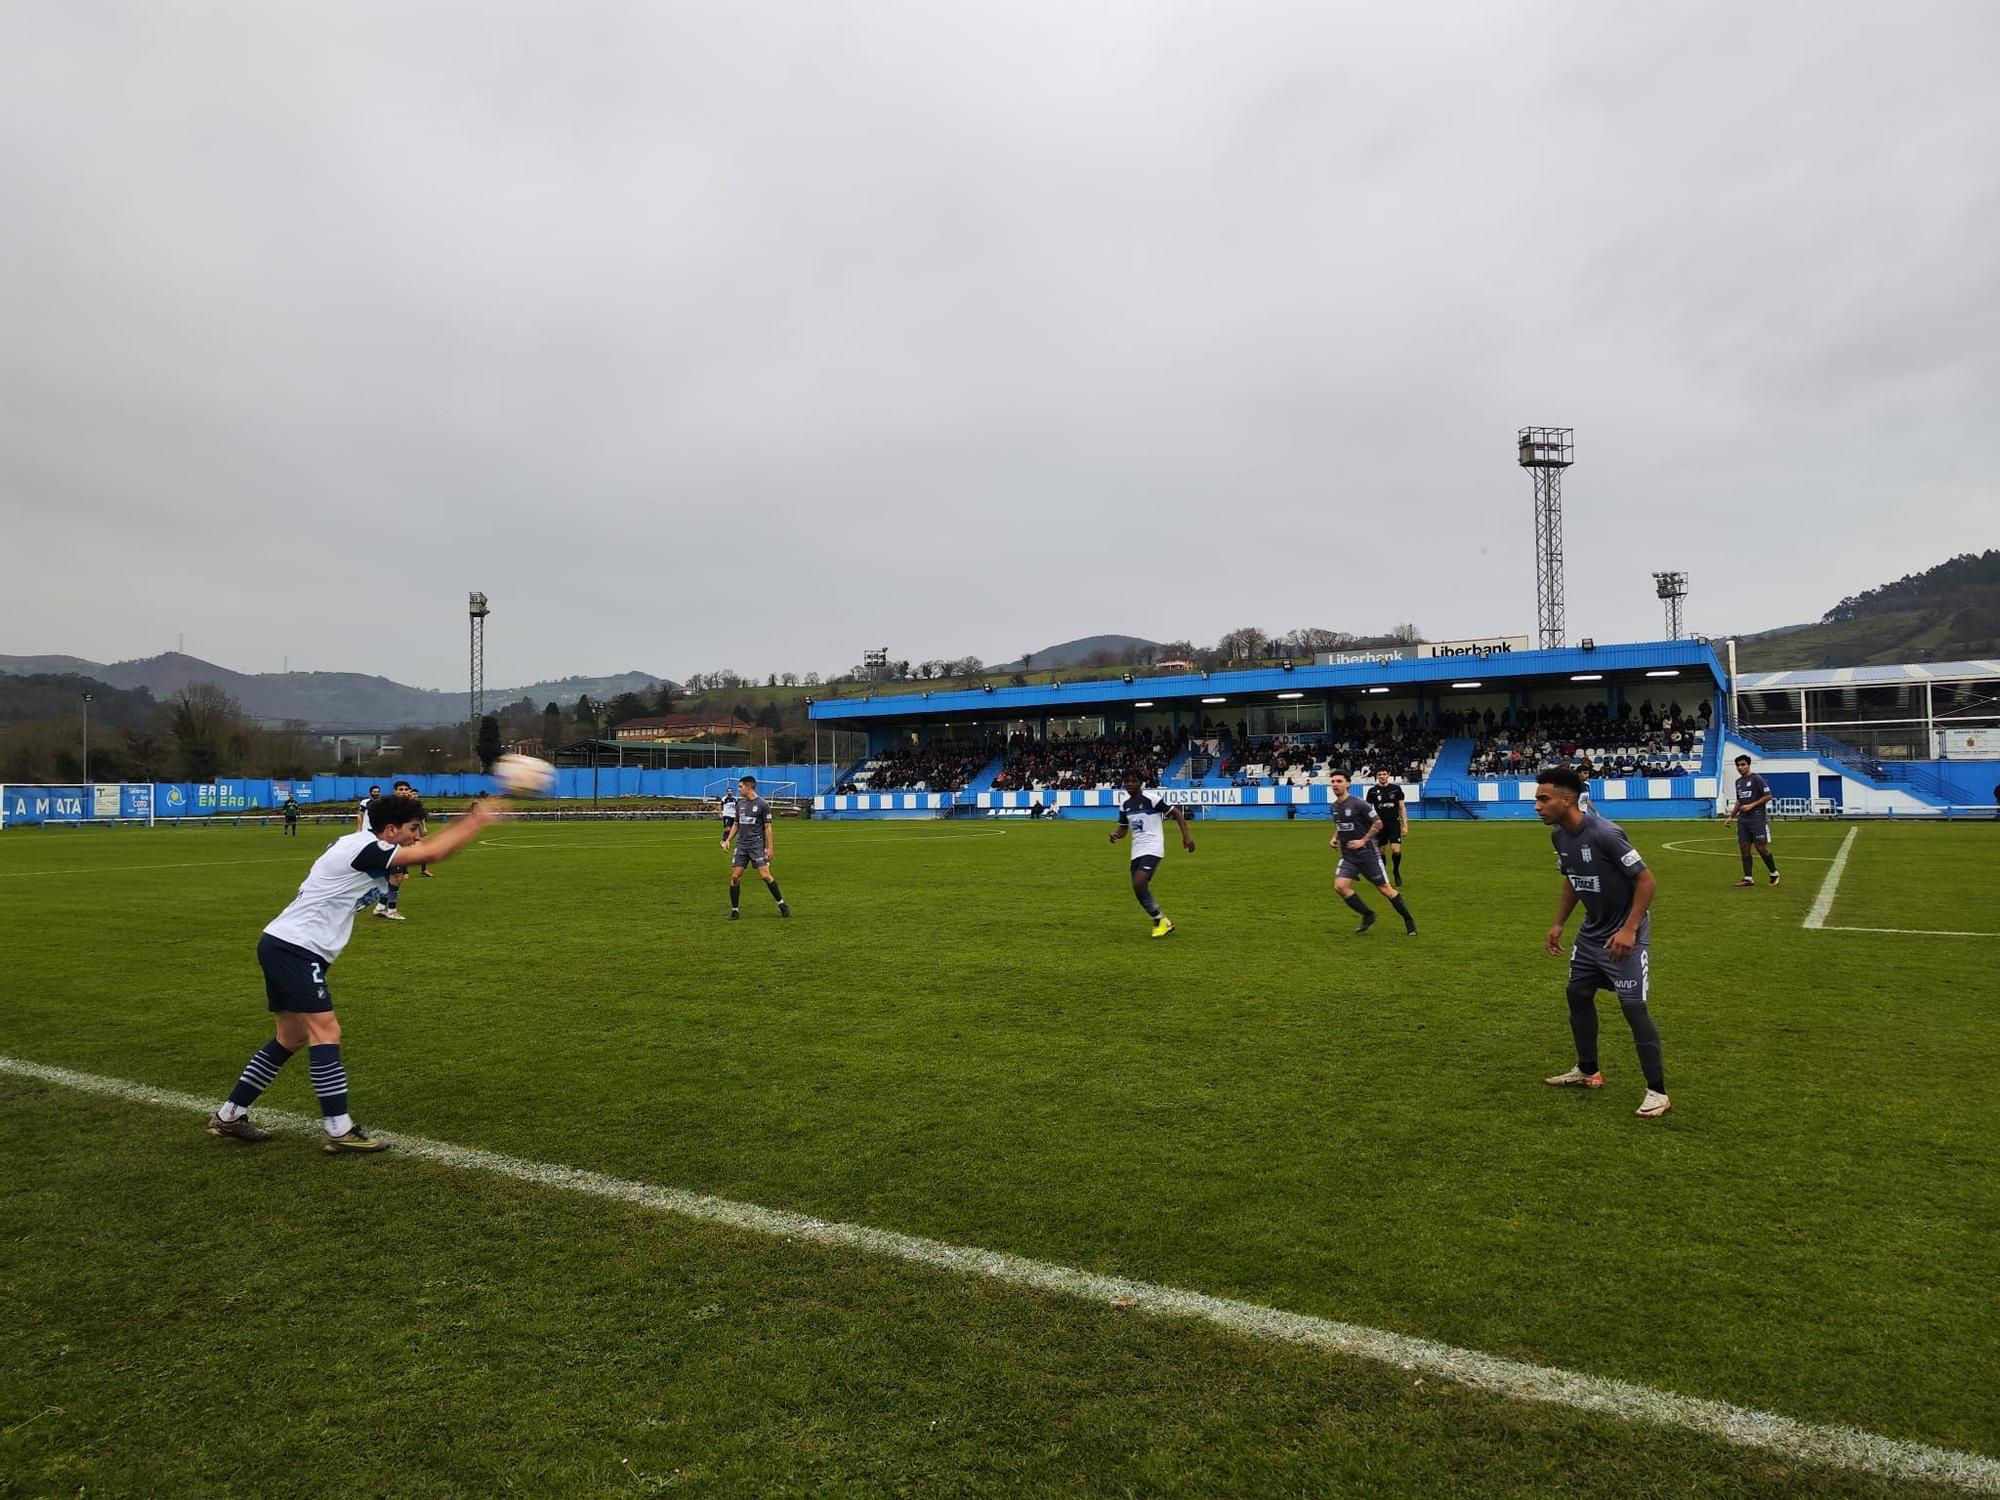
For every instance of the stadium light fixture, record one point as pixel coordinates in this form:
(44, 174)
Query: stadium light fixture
(1291, 695)
(1144, 703)
(1674, 672)
(1468, 684)
(1378, 690)
(1586, 677)
(1215, 700)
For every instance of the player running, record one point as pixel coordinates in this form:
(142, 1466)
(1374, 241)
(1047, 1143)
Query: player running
(1387, 798)
(1752, 812)
(1601, 869)
(751, 833)
(1356, 827)
(304, 939)
(1144, 815)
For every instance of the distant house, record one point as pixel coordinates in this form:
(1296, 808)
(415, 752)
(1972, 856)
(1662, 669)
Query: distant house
(1174, 666)
(667, 729)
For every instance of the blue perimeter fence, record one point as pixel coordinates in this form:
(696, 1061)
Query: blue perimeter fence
(137, 801)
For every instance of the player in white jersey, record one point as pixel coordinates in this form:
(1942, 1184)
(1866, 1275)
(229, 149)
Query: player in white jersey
(304, 939)
(1144, 815)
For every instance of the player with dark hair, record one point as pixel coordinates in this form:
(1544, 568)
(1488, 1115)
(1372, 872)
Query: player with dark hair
(1601, 869)
(1752, 812)
(1356, 827)
(301, 944)
(291, 812)
(1144, 817)
(1387, 798)
(751, 833)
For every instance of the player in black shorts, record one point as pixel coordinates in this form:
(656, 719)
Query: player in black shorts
(1355, 826)
(1752, 812)
(1602, 870)
(1387, 798)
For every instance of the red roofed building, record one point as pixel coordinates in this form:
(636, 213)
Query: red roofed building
(671, 728)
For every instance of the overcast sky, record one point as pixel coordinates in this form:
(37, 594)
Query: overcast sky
(705, 335)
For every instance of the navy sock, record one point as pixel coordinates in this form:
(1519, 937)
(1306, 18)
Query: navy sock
(1583, 1027)
(1145, 895)
(735, 897)
(1397, 861)
(1646, 1037)
(1746, 866)
(1769, 863)
(1402, 910)
(328, 1076)
(774, 892)
(1358, 904)
(259, 1073)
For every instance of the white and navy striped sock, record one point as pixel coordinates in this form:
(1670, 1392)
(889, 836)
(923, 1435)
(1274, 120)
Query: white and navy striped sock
(329, 1082)
(258, 1075)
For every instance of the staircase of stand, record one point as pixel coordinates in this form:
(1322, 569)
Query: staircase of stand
(1449, 787)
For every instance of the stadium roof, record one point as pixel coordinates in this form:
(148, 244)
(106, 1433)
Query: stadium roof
(1498, 671)
(1891, 676)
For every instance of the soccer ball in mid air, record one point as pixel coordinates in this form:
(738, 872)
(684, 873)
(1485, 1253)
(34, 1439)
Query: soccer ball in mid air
(524, 776)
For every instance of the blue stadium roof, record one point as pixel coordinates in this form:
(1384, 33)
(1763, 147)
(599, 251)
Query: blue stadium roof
(1497, 671)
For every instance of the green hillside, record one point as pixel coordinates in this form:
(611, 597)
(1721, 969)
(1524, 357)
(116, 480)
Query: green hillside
(1947, 613)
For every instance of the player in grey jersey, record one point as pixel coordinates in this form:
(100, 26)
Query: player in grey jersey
(1752, 812)
(755, 842)
(1602, 871)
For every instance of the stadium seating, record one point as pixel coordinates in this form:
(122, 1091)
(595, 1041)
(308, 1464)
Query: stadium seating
(942, 766)
(1066, 765)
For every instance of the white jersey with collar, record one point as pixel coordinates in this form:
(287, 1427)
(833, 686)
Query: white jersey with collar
(321, 916)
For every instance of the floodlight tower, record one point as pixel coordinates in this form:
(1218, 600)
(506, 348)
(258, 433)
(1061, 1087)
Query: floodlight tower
(1672, 588)
(1546, 452)
(476, 610)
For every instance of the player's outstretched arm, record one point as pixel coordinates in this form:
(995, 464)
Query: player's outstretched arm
(440, 846)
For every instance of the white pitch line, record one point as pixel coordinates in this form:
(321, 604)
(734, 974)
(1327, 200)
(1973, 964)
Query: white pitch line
(1913, 931)
(186, 864)
(1822, 906)
(1806, 1442)
(1680, 846)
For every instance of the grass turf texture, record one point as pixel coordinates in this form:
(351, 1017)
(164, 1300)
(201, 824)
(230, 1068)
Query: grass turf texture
(965, 1033)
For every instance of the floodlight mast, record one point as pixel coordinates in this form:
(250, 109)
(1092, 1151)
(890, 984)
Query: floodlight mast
(1672, 589)
(1545, 452)
(476, 611)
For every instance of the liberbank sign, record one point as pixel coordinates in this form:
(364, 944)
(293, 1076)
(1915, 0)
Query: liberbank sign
(1497, 645)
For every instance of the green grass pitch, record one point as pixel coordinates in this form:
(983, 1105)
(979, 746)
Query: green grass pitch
(966, 1033)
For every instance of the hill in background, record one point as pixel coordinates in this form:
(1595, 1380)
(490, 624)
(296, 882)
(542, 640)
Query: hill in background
(329, 699)
(1089, 650)
(1947, 613)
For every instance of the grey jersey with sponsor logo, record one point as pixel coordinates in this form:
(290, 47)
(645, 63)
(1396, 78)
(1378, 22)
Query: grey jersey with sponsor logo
(1602, 868)
(753, 816)
(1749, 789)
(1352, 818)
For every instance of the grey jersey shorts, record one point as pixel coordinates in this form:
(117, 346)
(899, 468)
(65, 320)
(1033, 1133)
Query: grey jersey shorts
(747, 856)
(1753, 828)
(1592, 964)
(1362, 864)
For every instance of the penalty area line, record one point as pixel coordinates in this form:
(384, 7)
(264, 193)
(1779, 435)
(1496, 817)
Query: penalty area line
(1847, 1448)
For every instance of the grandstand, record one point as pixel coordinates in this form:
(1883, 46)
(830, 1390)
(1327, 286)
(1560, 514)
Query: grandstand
(1650, 724)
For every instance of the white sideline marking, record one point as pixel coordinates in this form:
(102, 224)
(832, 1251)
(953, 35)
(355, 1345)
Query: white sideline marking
(1807, 1442)
(186, 864)
(1822, 905)
(1912, 931)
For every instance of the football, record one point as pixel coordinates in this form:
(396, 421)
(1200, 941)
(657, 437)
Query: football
(524, 775)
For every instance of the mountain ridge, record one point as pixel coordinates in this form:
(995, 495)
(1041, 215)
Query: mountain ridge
(321, 699)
